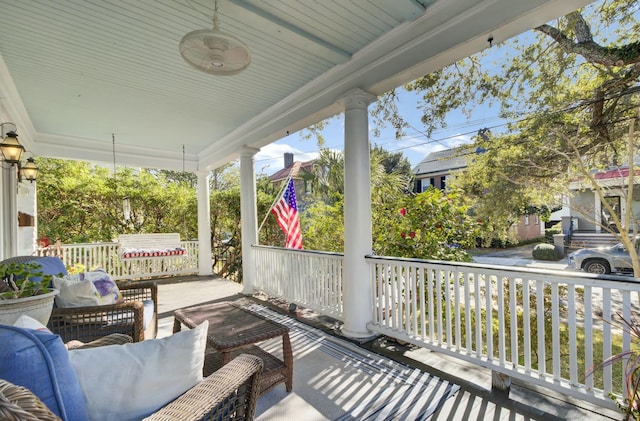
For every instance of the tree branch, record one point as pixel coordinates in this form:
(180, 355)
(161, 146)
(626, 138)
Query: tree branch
(589, 49)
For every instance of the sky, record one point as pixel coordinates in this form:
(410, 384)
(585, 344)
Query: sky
(415, 145)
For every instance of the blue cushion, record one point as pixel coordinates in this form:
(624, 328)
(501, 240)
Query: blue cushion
(50, 266)
(39, 361)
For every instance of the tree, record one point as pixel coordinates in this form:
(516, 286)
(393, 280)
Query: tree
(576, 78)
(393, 162)
(431, 226)
(188, 178)
(225, 177)
(83, 202)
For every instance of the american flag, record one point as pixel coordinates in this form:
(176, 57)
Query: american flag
(286, 212)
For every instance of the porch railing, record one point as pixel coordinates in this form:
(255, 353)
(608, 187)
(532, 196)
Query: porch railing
(540, 326)
(309, 278)
(105, 256)
(543, 327)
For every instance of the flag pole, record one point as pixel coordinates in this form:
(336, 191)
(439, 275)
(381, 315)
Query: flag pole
(279, 195)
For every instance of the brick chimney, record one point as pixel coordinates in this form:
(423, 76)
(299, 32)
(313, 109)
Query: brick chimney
(288, 159)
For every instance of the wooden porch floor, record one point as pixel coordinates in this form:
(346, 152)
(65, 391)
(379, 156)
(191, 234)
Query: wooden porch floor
(474, 401)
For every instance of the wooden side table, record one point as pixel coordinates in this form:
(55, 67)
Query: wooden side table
(234, 330)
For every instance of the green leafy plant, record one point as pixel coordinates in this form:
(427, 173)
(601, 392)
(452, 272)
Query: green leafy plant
(630, 404)
(16, 280)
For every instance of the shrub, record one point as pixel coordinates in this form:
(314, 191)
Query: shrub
(545, 252)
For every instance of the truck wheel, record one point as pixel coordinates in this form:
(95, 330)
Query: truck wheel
(600, 267)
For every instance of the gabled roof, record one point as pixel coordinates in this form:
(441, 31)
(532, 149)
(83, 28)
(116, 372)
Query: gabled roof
(613, 177)
(296, 170)
(446, 160)
(615, 173)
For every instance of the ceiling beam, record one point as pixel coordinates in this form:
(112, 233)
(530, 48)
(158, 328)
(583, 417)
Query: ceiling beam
(295, 35)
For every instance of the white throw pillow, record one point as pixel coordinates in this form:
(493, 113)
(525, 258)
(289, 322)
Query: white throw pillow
(86, 289)
(131, 381)
(75, 294)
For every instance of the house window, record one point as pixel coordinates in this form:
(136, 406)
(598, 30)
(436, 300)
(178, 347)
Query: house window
(307, 187)
(443, 182)
(526, 219)
(536, 220)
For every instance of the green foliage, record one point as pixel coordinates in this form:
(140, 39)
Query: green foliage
(393, 162)
(630, 403)
(180, 177)
(576, 78)
(430, 225)
(323, 226)
(80, 202)
(433, 226)
(545, 252)
(225, 177)
(15, 280)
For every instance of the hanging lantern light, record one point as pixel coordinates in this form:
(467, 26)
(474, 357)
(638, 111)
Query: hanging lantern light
(11, 148)
(30, 170)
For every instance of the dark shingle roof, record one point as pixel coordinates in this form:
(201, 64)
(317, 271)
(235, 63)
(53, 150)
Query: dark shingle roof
(446, 160)
(295, 169)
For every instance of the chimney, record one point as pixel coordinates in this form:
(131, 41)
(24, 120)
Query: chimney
(288, 159)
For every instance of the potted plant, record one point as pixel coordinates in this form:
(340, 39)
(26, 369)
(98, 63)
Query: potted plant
(24, 289)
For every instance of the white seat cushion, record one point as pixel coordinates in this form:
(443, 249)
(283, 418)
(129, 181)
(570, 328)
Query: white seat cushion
(131, 381)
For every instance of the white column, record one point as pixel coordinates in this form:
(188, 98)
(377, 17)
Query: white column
(358, 305)
(9, 211)
(26, 201)
(249, 217)
(204, 225)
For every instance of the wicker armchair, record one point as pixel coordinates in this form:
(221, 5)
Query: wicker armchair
(230, 393)
(89, 323)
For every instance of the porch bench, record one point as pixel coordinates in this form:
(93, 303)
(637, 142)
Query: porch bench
(151, 254)
(145, 246)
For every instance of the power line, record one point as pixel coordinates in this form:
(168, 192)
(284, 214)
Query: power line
(528, 116)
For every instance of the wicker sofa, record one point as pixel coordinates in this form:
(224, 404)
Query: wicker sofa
(137, 316)
(230, 393)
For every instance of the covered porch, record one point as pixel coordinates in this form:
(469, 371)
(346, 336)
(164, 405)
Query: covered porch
(104, 67)
(474, 399)
(538, 330)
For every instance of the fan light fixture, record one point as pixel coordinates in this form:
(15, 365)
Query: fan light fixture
(213, 51)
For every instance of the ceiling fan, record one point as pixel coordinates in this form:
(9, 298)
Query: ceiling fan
(213, 51)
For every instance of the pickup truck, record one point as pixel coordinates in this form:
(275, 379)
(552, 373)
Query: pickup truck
(602, 260)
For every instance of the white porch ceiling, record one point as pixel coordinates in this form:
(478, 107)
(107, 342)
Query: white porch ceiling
(73, 72)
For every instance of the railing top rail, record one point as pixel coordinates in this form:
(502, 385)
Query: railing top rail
(103, 243)
(322, 253)
(608, 281)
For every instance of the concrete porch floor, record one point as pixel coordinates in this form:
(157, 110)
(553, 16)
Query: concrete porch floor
(474, 401)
